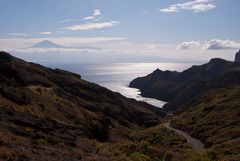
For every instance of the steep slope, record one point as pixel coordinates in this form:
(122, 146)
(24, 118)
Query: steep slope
(214, 118)
(48, 114)
(206, 102)
(178, 88)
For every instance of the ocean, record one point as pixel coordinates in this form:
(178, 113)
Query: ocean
(117, 76)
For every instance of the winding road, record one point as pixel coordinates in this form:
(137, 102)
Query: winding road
(196, 144)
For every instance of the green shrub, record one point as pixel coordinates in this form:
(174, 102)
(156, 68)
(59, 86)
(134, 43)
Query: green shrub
(43, 141)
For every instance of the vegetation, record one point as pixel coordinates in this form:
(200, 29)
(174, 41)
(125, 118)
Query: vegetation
(61, 113)
(177, 88)
(215, 120)
(48, 114)
(205, 101)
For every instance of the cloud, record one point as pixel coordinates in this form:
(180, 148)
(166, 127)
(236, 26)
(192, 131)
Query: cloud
(171, 9)
(189, 45)
(66, 20)
(17, 34)
(16, 43)
(46, 33)
(95, 14)
(89, 18)
(113, 49)
(92, 23)
(196, 6)
(92, 26)
(71, 41)
(214, 44)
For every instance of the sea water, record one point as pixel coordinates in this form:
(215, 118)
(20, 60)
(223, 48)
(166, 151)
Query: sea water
(117, 76)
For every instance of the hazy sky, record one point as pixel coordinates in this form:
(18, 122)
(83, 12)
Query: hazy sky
(160, 27)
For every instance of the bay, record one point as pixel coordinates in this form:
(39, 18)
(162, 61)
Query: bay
(117, 76)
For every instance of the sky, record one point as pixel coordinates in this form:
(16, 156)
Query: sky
(142, 30)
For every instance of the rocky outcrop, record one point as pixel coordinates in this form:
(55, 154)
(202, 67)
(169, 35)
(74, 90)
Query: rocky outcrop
(179, 88)
(237, 57)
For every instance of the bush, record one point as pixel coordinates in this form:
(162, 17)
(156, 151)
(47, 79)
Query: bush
(139, 157)
(168, 156)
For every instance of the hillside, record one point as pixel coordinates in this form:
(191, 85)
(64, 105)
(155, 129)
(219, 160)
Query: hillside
(51, 114)
(214, 118)
(205, 100)
(178, 88)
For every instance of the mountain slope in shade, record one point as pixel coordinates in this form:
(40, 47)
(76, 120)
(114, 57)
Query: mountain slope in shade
(51, 114)
(46, 44)
(178, 88)
(205, 100)
(214, 118)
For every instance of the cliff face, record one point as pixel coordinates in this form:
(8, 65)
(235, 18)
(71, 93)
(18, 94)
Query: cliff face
(46, 114)
(237, 57)
(180, 88)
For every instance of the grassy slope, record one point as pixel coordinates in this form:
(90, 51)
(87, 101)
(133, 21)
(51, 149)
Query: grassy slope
(215, 119)
(207, 103)
(52, 115)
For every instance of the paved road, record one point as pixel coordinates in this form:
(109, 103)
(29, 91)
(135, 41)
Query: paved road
(196, 144)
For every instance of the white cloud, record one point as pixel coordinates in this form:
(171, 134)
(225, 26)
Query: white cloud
(89, 18)
(17, 34)
(75, 41)
(16, 43)
(113, 49)
(171, 9)
(91, 26)
(189, 45)
(46, 33)
(214, 44)
(95, 14)
(66, 20)
(55, 50)
(93, 22)
(196, 6)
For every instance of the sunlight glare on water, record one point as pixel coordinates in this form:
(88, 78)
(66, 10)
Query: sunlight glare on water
(117, 76)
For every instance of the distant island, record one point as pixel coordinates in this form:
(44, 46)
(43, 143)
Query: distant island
(46, 44)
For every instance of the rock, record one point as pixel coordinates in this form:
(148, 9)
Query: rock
(237, 57)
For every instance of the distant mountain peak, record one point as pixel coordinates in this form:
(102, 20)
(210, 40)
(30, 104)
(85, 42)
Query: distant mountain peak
(157, 70)
(215, 60)
(47, 44)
